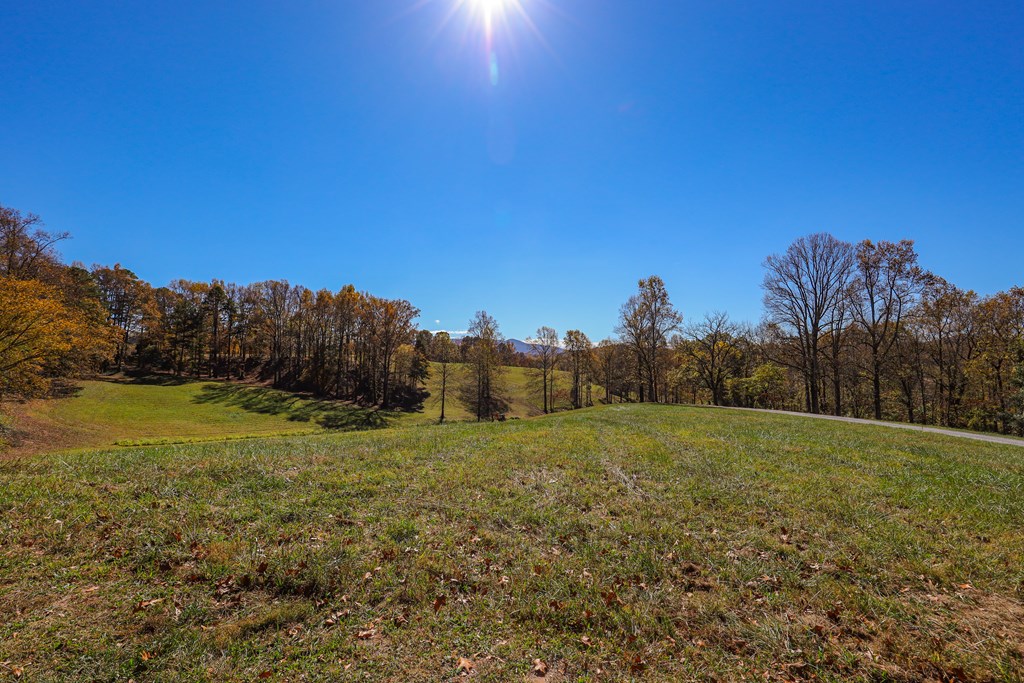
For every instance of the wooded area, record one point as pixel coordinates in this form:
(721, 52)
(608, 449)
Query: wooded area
(860, 330)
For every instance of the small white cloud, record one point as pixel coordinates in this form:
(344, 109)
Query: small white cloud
(437, 322)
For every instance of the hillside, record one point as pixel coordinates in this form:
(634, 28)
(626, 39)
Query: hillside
(162, 409)
(655, 542)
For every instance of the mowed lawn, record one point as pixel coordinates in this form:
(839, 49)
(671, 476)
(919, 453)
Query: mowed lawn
(161, 409)
(623, 542)
(158, 408)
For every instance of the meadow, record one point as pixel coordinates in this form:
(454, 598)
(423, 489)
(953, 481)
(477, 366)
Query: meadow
(625, 542)
(155, 409)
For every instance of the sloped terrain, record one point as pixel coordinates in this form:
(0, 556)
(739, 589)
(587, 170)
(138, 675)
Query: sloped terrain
(624, 542)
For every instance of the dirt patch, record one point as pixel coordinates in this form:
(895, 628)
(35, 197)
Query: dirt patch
(31, 433)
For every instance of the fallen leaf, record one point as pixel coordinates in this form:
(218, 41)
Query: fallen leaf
(146, 655)
(266, 674)
(637, 665)
(610, 598)
(146, 603)
(465, 666)
(440, 602)
(540, 669)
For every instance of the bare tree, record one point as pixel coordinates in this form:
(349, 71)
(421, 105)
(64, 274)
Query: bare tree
(444, 352)
(804, 290)
(545, 350)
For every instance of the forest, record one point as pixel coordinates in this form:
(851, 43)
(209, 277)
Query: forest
(859, 330)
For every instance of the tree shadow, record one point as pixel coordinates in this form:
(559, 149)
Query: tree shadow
(150, 379)
(333, 415)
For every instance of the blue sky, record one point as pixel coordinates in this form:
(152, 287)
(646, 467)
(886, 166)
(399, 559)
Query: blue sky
(365, 142)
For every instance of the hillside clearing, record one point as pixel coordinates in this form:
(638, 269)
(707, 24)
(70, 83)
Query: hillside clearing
(659, 542)
(155, 409)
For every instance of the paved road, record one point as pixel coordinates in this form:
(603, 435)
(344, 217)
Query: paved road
(991, 438)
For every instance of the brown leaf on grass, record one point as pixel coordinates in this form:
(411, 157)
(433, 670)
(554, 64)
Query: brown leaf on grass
(538, 569)
(17, 671)
(610, 598)
(143, 604)
(587, 642)
(540, 669)
(266, 674)
(440, 602)
(366, 634)
(637, 664)
(464, 666)
(146, 655)
(262, 568)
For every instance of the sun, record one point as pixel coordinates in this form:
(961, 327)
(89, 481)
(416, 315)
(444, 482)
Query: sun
(495, 27)
(491, 12)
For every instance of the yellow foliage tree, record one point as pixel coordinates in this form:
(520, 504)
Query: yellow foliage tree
(39, 333)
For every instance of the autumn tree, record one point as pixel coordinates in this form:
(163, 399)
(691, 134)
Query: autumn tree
(714, 348)
(1000, 328)
(481, 390)
(125, 297)
(804, 291)
(392, 326)
(646, 321)
(612, 370)
(1017, 381)
(37, 332)
(577, 354)
(947, 325)
(886, 283)
(27, 251)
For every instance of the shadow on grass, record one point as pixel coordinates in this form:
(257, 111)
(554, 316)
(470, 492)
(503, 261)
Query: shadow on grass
(152, 379)
(333, 415)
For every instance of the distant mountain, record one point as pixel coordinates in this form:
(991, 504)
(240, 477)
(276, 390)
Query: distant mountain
(521, 346)
(524, 347)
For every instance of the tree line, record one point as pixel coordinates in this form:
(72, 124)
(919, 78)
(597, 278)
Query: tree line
(858, 330)
(848, 329)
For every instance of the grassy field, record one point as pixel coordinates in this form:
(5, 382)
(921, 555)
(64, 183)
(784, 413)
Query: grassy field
(624, 542)
(162, 409)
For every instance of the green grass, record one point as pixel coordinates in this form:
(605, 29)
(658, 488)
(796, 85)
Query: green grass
(623, 542)
(161, 410)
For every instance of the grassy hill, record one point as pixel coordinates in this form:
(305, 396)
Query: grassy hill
(162, 409)
(649, 542)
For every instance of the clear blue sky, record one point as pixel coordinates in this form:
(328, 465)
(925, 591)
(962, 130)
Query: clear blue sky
(364, 142)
